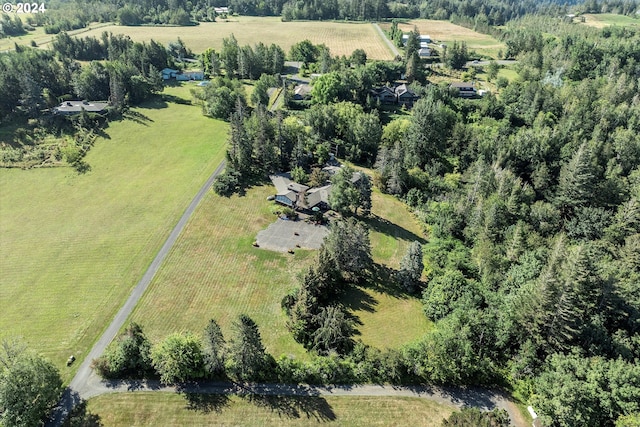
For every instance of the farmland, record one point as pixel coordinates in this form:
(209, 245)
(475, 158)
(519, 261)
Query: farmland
(215, 272)
(446, 32)
(341, 38)
(73, 248)
(150, 409)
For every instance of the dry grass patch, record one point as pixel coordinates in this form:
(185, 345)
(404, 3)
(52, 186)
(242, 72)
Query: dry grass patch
(153, 409)
(341, 38)
(446, 32)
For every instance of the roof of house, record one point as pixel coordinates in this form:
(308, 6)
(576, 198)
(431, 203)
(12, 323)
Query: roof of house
(462, 85)
(404, 90)
(318, 195)
(69, 107)
(298, 188)
(281, 182)
(302, 90)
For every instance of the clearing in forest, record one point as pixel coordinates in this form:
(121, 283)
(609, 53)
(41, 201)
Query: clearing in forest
(150, 409)
(602, 20)
(342, 38)
(215, 272)
(73, 246)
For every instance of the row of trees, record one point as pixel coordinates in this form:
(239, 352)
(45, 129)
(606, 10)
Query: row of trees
(244, 62)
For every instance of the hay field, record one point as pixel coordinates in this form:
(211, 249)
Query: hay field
(154, 409)
(73, 246)
(602, 20)
(446, 32)
(341, 38)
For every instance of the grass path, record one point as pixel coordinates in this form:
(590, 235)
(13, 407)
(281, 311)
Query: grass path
(73, 246)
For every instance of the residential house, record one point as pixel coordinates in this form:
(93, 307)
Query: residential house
(301, 197)
(384, 94)
(405, 95)
(423, 39)
(221, 10)
(302, 91)
(169, 73)
(424, 52)
(465, 89)
(69, 108)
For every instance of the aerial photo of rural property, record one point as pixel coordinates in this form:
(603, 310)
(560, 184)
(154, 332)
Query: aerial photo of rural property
(346, 213)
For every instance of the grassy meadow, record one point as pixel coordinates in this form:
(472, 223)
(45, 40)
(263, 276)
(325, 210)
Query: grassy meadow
(152, 409)
(446, 32)
(214, 271)
(602, 20)
(341, 38)
(73, 246)
(42, 39)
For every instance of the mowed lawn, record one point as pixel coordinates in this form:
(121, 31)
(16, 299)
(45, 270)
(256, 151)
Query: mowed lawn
(73, 246)
(154, 409)
(342, 38)
(446, 32)
(215, 272)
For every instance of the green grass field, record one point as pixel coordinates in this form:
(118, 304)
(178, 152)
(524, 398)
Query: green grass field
(73, 246)
(41, 38)
(215, 272)
(342, 38)
(606, 19)
(153, 409)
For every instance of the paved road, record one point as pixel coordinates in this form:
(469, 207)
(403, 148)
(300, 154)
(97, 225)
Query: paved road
(393, 48)
(79, 386)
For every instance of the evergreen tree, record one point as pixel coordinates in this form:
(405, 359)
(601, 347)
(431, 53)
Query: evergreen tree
(213, 349)
(411, 268)
(248, 360)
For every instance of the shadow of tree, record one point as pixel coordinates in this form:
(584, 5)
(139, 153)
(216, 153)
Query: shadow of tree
(81, 417)
(384, 226)
(136, 117)
(202, 402)
(313, 407)
(382, 279)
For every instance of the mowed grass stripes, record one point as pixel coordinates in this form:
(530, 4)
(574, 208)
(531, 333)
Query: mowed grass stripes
(154, 409)
(214, 271)
(73, 246)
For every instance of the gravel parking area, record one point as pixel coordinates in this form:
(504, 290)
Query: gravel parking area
(284, 234)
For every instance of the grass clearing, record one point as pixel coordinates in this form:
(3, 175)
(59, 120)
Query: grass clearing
(342, 38)
(446, 32)
(42, 39)
(152, 409)
(215, 272)
(73, 246)
(602, 20)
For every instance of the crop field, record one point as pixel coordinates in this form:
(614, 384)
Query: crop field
(341, 38)
(152, 409)
(215, 272)
(73, 246)
(602, 20)
(446, 32)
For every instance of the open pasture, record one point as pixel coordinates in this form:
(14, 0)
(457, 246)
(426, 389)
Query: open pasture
(152, 409)
(446, 32)
(341, 38)
(602, 20)
(214, 271)
(73, 246)
(41, 38)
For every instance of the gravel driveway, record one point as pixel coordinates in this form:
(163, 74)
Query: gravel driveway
(284, 234)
